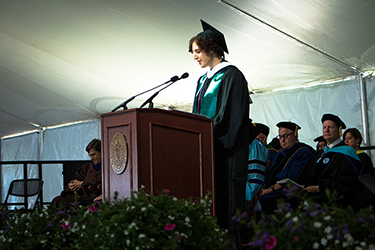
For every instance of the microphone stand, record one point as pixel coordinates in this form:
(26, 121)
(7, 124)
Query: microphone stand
(149, 100)
(123, 105)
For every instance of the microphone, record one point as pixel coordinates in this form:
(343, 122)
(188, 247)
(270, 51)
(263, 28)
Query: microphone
(184, 75)
(123, 105)
(149, 100)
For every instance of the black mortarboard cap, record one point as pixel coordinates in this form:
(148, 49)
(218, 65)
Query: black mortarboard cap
(253, 132)
(335, 119)
(216, 36)
(262, 128)
(289, 125)
(319, 139)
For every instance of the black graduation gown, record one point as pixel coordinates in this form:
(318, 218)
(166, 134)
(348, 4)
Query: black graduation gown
(231, 143)
(367, 166)
(335, 172)
(283, 165)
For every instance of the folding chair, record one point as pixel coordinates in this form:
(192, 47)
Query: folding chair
(26, 188)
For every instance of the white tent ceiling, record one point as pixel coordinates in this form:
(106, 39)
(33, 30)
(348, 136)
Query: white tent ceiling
(70, 60)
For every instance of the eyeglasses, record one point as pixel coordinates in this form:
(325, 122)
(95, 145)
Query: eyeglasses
(284, 136)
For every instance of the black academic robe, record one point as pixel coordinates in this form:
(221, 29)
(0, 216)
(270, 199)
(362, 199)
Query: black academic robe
(288, 163)
(336, 172)
(367, 166)
(231, 142)
(285, 164)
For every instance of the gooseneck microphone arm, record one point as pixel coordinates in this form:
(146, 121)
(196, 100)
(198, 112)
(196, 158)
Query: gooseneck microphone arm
(123, 105)
(149, 100)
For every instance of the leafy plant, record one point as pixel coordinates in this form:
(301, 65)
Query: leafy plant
(143, 221)
(311, 225)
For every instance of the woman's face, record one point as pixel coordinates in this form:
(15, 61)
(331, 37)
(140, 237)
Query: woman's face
(202, 58)
(321, 145)
(351, 141)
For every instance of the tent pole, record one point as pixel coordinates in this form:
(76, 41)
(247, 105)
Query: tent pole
(364, 114)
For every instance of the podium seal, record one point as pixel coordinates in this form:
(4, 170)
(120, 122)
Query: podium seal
(118, 153)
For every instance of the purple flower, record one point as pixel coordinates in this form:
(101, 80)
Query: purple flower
(65, 225)
(314, 213)
(371, 217)
(317, 205)
(286, 192)
(49, 224)
(234, 217)
(166, 191)
(265, 235)
(6, 230)
(271, 242)
(294, 188)
(360, 219)
(244, 215)
(289, 223)
(93, 209)
(256, 243)
(287, 207)
(169, 227)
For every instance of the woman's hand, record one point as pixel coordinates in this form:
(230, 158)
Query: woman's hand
(312, 189)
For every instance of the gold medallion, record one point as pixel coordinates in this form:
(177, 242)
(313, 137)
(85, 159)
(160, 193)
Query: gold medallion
(118, 153)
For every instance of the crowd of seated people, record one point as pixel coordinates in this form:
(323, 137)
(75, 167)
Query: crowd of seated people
(335, 165)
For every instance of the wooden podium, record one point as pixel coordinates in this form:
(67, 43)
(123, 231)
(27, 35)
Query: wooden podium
(158, 149)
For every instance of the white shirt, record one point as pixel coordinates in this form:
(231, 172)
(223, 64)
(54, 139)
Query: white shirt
(334, 143)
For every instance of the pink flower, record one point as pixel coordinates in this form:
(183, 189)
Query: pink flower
(166, 191)
(93, 209)
(271, 242)
(65, 225)
(296, 238)
(179, 238)
(169, 227)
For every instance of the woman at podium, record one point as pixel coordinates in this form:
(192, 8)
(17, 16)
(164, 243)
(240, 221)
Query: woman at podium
(222, 95)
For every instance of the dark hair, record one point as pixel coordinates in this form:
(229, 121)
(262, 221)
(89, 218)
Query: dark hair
(94, 144)
(355, 133)
(206, 45)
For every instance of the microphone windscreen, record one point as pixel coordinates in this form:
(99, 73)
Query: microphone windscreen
(184, 75)
(175, 78)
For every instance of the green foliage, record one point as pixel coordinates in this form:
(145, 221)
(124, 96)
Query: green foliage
(301, 223)
(143, 221)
